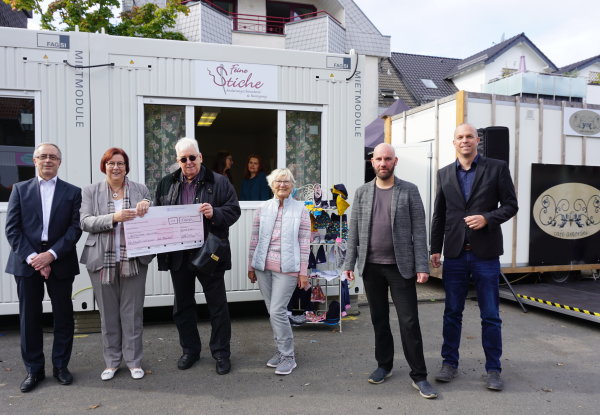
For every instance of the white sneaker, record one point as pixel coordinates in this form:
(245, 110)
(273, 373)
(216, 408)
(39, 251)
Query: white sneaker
(285, 367)
(137, 372)
(108, 373)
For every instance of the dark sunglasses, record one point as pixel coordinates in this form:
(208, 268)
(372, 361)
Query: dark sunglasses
(185, 159)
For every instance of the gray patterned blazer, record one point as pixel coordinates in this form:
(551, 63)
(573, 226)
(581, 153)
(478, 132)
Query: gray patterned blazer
(408, 228)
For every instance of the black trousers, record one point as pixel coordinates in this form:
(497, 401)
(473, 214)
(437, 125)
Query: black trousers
(31, 293)
(378, 278)
(185, 313)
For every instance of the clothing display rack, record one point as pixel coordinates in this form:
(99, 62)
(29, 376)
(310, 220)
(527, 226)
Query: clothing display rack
(329, 232)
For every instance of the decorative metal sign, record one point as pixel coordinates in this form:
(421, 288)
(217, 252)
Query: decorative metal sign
(583, 122)
(565, 215)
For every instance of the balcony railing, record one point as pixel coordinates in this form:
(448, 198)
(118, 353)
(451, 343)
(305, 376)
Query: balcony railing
(533, 83)
(263, 24)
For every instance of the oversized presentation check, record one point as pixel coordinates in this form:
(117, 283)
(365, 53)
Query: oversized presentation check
(164, 229)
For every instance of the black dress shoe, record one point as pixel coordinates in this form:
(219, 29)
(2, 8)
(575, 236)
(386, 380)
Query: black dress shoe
(63, 376)
(31, 381)
(187, 360)
(223, 365)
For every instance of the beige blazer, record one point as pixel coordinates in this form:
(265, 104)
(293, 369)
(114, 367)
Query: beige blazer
(95, 219)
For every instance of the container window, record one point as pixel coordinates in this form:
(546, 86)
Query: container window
(303, 146)
(17, 142)
(163, 126)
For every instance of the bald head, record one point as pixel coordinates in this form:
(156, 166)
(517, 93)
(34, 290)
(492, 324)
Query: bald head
(384, 148)
(465, 126)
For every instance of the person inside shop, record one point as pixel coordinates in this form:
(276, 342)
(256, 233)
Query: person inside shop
(278, 260)
(223, 164)
(254, 185)
(387, 240)
(118, 281)
(193, 183)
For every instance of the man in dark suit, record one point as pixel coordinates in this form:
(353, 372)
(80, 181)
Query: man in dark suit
(388, 239)
(475, 195)
(42, 228)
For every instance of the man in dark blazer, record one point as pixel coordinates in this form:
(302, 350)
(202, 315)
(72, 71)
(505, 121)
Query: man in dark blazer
(388, 239)
(475, 195)
(42, 228)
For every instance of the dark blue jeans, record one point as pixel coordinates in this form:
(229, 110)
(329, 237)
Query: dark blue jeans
(484, 273)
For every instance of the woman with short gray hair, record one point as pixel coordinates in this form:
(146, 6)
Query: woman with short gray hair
(278, 260)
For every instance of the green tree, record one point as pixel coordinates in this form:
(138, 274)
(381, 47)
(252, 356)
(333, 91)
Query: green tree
(148, 21)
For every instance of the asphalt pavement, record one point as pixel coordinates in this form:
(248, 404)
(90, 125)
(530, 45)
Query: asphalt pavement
(551, 365)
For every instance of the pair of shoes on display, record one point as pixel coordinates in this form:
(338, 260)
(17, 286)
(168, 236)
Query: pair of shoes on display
(62, 375)
(493, 380)
(108, 373)
(223, 365)
(31, 381)
(286, 365)
(187, 360)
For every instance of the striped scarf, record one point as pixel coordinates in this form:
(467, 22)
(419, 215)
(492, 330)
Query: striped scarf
(128, 267)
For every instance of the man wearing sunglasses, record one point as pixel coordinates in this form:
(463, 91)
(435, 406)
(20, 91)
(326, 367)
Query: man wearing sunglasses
(193, 183)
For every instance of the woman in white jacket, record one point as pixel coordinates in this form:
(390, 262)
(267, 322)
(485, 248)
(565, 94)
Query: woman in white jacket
(278, 259)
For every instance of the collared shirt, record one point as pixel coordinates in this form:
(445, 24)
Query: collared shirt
(466, 177)
(188, 189)
(47, 188)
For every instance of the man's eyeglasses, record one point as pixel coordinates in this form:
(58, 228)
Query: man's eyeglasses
(185, 159)
(283, 182)
(52, 157)
(112, 164)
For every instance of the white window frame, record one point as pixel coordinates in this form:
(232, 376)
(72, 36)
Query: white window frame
(190, 127)
(37, 123)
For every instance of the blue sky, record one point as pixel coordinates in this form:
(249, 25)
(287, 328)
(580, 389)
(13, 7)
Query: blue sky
(565, 31)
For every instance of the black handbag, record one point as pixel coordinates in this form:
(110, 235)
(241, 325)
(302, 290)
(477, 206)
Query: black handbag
(206, 259)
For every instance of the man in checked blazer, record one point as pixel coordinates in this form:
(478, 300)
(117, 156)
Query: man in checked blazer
(387, 241)
(42, 228)
(475, 195)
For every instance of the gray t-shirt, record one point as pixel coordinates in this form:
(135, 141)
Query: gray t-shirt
(381, 246)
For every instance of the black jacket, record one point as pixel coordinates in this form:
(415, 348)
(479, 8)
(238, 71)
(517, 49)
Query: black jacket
(212, 188)
(492, 186)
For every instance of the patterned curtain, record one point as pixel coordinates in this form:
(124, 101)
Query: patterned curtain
(163, 126)
(303, 146)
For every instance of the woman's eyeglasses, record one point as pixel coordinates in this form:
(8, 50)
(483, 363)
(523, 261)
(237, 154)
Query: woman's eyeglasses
(112, 164)
(282, 182)
(185, 159)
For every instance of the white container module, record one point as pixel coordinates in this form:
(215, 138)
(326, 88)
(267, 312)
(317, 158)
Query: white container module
(88, 92)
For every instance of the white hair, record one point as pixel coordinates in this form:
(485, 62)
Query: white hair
(186, 142)
(277, 173)
(36, 151)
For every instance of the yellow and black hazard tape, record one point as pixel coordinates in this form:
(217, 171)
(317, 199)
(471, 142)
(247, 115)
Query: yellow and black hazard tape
(566, 307)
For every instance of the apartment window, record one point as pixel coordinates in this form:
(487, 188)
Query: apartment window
(388, 93)
(229, 6)
(279, 13)
(17, 142)
(594, 78)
